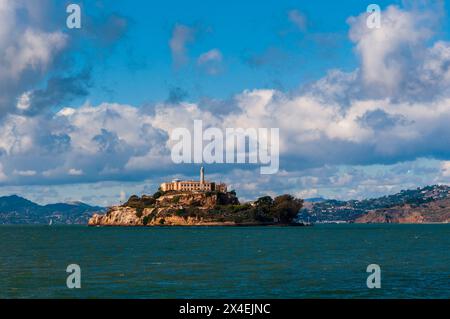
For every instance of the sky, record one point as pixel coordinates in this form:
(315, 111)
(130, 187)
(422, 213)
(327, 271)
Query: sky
(86, 114)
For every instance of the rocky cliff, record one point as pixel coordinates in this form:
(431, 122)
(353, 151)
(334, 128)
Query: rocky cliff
(127, 216)
(172, 208)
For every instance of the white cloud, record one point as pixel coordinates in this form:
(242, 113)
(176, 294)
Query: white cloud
(210, 61)
(307, 193)
(3, 177)
(211, 55)
(33, 50)
(23, 102)
(16, 134)
(29, 48)
(67, 111)
(25, 173)
(75, 172)
(391, 56)
(105, 141)
(116, 140)
(37, 72)
(435, 69)
(182, 35)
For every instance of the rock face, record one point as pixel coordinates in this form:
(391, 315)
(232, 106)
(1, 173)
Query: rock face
(170, 209)
(127, 216)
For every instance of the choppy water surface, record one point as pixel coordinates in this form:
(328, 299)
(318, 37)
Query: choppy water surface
(324, 261)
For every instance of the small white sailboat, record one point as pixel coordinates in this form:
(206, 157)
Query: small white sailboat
(50, 222)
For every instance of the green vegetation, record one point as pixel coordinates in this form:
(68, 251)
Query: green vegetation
(176, 199)
(140, 203)
(282, 209)
(146, 219)
(180, 212)
(158, 194)
(218, 207)
(139, 212)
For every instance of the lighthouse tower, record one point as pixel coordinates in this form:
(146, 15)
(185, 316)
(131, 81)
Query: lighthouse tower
(202, 175)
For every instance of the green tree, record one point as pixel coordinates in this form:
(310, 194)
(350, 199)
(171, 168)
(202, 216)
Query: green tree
(139, 212)
(158, 194)
(145, 220)
(264, 201)
(286, 208)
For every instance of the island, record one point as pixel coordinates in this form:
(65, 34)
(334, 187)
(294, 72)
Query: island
(200, 203)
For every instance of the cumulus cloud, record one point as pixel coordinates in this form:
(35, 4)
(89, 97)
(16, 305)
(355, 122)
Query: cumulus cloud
(58, 90)
(89, 143)
(33, 50)
(393, 108)
(28, 51)
(395, 61)
(116, 141)
(38, 70)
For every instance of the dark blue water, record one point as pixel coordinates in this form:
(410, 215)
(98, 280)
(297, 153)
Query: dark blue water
(324, 261)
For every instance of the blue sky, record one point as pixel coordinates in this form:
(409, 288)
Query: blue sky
(86, 114)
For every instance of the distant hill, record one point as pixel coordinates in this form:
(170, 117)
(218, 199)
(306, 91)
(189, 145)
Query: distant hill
(18, 210)
(14, 202)
(432, 212)
(430, 204)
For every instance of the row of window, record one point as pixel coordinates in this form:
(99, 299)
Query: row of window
(189, 186)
